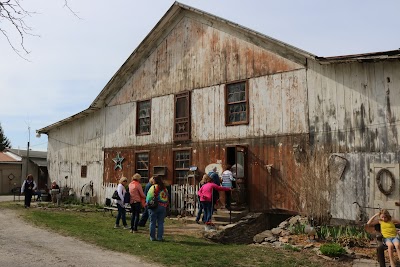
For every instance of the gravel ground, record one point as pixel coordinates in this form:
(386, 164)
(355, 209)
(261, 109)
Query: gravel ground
(25, 245)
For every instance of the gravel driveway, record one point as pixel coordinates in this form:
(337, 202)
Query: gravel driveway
(22, 245)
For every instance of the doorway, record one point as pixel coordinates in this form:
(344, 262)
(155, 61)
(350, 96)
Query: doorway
(236, 156)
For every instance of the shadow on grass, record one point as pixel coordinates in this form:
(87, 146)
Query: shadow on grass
(194, 243)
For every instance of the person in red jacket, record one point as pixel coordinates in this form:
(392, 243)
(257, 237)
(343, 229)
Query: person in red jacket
(205, 194)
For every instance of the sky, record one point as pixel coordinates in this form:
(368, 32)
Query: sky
(73, 56)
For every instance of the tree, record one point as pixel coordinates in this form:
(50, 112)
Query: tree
(4, 142)
(12, 16)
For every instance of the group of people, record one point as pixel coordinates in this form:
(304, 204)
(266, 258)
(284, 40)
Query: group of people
(29, 189)
(208, 194)
(154, 189)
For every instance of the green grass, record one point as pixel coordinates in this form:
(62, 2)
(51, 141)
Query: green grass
(177, 250)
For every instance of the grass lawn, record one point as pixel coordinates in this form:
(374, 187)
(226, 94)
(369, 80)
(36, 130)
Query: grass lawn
(92, 226)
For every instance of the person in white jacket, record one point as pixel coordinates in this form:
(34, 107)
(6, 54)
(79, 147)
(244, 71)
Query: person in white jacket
(28, 188)
(120, 203)
(227, 179)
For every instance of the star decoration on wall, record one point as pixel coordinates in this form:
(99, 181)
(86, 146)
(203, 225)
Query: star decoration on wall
(118, 161)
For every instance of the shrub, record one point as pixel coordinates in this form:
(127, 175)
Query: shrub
(332, 250)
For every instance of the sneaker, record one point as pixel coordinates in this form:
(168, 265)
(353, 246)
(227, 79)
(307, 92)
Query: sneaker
(126, 227)
(197, 222)
(117, 227)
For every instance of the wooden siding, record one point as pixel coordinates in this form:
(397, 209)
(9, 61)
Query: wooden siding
(298, 112)
(265, 191)
(197, 55)
(355, 107)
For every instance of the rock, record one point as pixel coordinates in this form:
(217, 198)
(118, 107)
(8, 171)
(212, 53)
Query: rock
(270, 239)
(283, 224)
(277, 244)
(309, 246)
(294, 220)
(276, 231)
(284, 239)
(258, 238)
(285, 233)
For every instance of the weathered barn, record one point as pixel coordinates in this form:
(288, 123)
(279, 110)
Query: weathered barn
(309, 133)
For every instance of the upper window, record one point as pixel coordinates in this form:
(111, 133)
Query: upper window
(181, 166)
(182, 117)
(237, 103)
(83, 171)
(142, 166)
(143, 115)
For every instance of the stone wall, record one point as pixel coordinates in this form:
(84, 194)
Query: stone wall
(241, 232)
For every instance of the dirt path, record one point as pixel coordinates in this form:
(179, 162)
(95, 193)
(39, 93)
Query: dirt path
(25, 245)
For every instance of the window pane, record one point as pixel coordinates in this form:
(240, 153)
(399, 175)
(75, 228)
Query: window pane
(181, 108)
(181, 165)
(144, 114)
(142, 166)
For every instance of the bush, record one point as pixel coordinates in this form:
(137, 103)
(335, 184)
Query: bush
(332, 250)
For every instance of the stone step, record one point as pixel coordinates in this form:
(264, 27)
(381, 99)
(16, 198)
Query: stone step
(224, 216)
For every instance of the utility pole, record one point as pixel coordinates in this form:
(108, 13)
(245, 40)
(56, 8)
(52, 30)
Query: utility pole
(27, 152)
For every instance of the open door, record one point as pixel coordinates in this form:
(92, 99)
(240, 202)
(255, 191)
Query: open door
(237, 158)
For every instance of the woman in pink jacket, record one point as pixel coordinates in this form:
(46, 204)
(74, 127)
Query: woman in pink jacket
(205, 194)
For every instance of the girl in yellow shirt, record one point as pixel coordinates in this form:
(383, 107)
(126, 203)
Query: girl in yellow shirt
(389, 232)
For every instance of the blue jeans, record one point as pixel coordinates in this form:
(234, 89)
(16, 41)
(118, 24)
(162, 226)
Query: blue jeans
(121, 215)
(208, 209)
(157, 216)
(145, 216)
(135, 210)
(200, 212)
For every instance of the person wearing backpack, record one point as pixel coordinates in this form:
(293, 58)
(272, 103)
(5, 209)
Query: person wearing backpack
(120, 203)
(137, 200)
(158, 193)
(145, 214)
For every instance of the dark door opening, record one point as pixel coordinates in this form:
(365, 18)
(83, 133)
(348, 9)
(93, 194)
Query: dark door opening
(236, 157)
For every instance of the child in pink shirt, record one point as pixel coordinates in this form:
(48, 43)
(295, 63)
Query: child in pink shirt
(205, 194)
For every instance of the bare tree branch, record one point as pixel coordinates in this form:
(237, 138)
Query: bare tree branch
(73, 12)
(12, 22)
(13, 15)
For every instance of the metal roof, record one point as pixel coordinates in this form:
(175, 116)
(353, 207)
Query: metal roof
(367, 57)
(32, 153)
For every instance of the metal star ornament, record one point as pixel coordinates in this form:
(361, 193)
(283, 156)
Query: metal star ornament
(118, 161)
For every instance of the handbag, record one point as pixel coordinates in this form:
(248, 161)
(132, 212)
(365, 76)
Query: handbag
(127, 197)
(115, 195)
(153, 203)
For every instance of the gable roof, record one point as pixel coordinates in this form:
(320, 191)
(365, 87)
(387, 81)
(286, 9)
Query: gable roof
(148, 43)
(4, 157)
(158, 32)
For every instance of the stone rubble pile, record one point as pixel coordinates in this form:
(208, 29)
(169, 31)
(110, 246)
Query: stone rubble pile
(281, 235)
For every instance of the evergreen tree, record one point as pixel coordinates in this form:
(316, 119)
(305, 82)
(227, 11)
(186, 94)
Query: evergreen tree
(4, 142)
